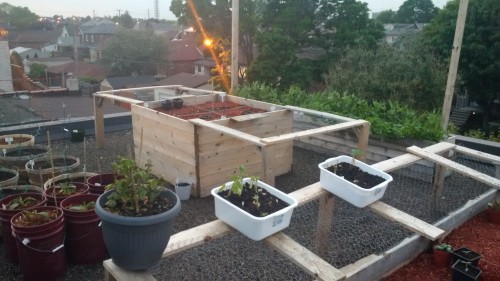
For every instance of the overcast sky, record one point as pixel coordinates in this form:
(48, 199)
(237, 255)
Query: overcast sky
(139, 8)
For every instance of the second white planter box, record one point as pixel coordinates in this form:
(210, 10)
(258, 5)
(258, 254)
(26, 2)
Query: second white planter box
(255, 228)
(350, 192)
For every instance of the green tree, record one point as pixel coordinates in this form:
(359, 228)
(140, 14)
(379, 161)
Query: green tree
(135, 51)
(124, 20)
(479, 66)
(421, 11)
(410, 75)
(213, 20)
(37, 70)
(387, 16)
(21, 17)
(343, 24)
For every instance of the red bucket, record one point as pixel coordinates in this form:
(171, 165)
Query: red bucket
(6, 216)
(84, 242)
(81, 188)
(41, 248)
(97, 183)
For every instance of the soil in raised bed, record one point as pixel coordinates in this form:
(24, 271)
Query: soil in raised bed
(268, 203)
(355, 175)
(211, 110)
(477, 234)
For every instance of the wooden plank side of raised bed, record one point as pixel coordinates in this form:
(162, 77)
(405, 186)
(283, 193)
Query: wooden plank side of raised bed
(167, 142)
(112, 272)
(491, 181)
(305, 259)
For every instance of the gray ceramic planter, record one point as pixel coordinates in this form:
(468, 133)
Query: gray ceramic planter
(137, 243)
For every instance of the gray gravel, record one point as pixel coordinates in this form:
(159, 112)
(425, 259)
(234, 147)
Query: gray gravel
(356, 233)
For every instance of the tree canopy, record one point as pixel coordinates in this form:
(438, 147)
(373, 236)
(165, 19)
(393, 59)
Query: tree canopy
(124, 20)
(21, 17)
(136, 51)
(421, 11)
(479, 65)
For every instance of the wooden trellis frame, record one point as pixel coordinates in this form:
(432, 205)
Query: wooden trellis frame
(305, 259)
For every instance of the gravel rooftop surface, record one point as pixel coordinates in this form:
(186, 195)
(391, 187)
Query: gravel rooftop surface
(356, 233)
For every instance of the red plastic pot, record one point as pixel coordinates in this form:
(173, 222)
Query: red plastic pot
(97, 183)
(41, 251)
(52, 199)
(441, 258)
(493, 215)
(6, 216)
(84, 241)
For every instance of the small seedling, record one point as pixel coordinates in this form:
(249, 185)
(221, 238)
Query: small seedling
(20, 202)
(83, 206)
(356, 154)
(238, 184)
(495, 205)
(444, 247)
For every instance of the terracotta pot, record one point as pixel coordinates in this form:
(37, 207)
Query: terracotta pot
(493, 215)
(441, 258)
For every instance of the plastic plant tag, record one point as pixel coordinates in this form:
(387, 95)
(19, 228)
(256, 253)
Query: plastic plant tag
(9, 140)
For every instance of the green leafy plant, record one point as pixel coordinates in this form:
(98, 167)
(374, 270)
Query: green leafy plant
(35, 217)
(21, 202)
(356, 154)
(495, 205)
(444, 247)
(238, 184)
(84, 206)
(66, 188)
(135, 192)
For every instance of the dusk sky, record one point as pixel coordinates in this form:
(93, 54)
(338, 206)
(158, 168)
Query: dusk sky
(139, 9)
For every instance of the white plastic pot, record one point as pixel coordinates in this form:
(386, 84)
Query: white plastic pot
(350, 192)
(255, 228)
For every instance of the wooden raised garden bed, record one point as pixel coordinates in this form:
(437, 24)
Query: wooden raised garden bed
(178, 148)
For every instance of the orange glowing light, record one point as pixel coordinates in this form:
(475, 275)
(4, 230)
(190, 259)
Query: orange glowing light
(208, 42)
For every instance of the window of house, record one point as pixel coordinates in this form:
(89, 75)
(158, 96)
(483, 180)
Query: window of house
(92, 38)
(199, 68)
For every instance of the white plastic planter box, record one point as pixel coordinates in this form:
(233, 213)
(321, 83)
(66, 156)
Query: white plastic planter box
(350, 192)
(255, 228)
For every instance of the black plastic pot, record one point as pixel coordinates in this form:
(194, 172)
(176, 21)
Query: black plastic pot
(137, 243)
(77, 135)
(178, 102)
(466, 255)
(464, 271)
(167, 104)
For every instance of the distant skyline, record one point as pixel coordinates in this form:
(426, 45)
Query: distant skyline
(139, 9)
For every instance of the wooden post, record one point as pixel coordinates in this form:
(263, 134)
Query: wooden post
(437, 185)
(455, 56)
(235, 45)
(324, 224)
(99, 122)
(364, 136)
(267, 156)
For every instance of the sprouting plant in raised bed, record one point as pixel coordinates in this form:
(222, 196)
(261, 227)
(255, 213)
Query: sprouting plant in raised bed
(356, 153)
(20, 202)
(444, 247)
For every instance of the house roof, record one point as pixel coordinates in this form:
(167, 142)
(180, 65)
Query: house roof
(51, 59)
(38, 37)
(103, 29)
(130, 81)
(84, 69)
(184, 50)
(185, 79)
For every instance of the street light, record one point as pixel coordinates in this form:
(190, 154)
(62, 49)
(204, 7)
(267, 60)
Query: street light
(207, 42)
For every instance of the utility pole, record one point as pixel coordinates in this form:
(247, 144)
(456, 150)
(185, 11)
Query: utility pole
(235, 16)
(455, 56)
(119, 12)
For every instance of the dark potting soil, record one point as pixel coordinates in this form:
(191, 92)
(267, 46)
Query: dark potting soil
(211, 110)
(57, 163)
(25, 152)
(160, 205)
(35, 217)
(355, 175)
(268, 203)
(6, 176)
